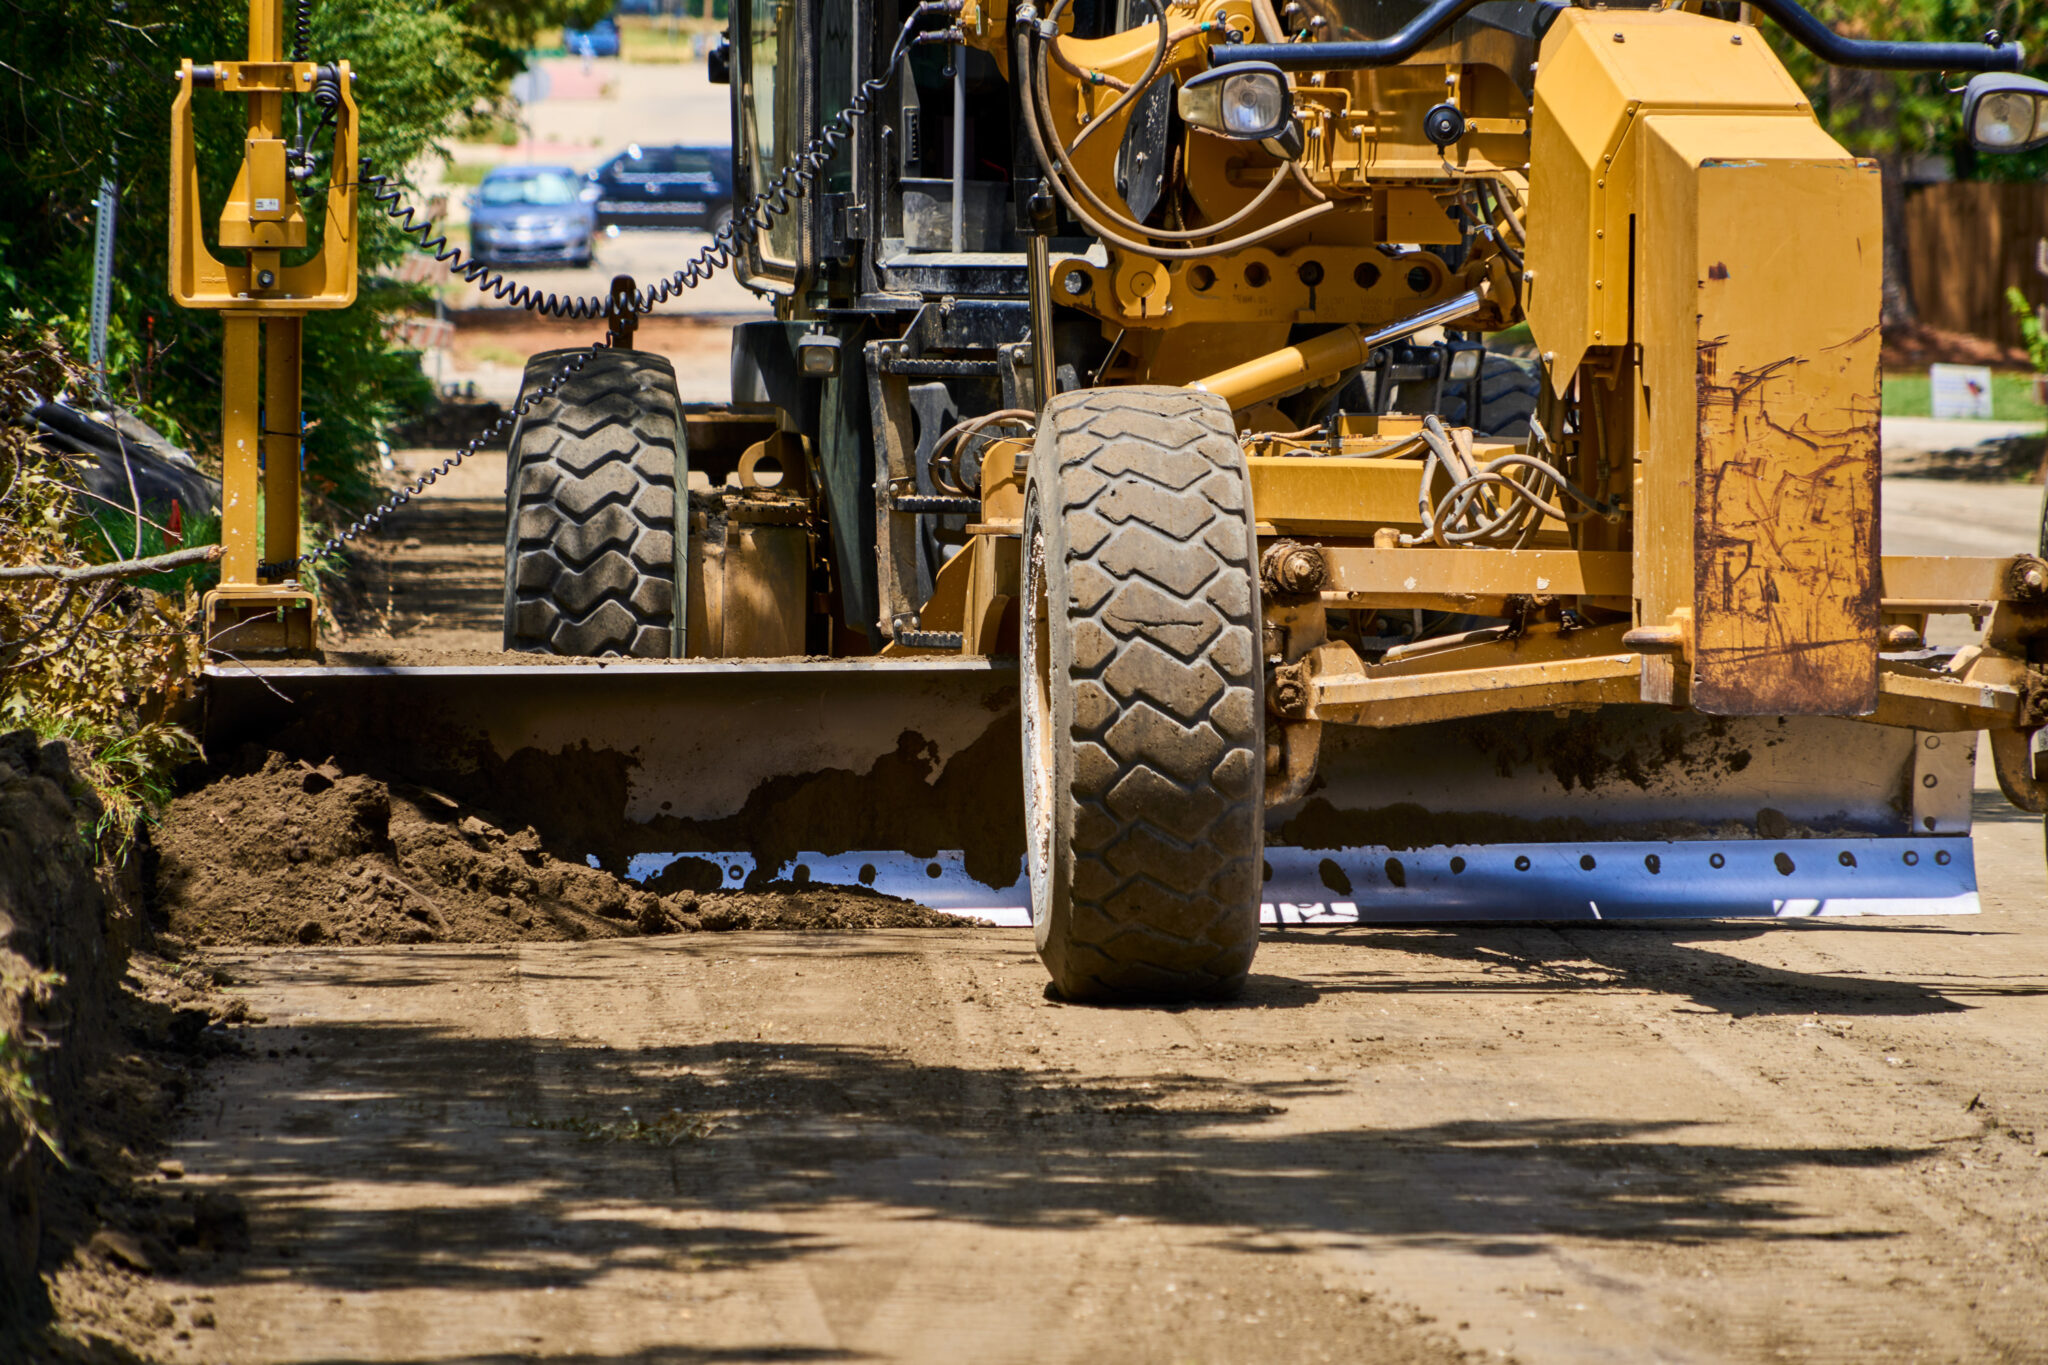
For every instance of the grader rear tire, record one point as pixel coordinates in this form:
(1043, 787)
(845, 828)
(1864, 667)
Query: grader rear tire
(1143, 707)
(1509, 389)
(591, 554)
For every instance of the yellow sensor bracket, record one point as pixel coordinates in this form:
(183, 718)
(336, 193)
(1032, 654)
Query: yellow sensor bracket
(263, 216)
(260, 605)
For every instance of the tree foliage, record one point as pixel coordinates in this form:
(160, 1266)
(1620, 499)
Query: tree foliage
(1911, 113)
(85, 92)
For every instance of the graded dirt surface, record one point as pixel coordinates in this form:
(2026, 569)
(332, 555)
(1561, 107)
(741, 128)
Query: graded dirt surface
(1822, 1141)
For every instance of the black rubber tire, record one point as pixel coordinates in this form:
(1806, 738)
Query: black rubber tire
(1509, 388)
(591, 555)
(1144, 786)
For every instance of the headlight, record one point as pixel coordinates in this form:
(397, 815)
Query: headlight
(1254, 102)
(2006, 113)
(1248, 100)
(2005, 120)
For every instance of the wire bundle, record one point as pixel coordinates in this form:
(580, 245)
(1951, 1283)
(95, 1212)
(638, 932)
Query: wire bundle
(953, 446)
(1484, 503)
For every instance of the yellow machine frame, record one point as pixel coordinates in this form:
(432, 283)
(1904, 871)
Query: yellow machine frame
(1728, 369)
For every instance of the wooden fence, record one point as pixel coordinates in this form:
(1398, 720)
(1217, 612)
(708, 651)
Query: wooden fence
(1969, 242)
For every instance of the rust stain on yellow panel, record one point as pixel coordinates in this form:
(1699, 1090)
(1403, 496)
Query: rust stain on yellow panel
(1785, 533)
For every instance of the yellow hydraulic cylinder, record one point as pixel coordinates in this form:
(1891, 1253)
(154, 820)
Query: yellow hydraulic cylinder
(241, 437)
(1289, 368)
(1323, 358)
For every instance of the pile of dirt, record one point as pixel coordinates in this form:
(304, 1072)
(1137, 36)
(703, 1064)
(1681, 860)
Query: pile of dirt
(64, 932)
(1915, 345)
(281, 851)
(100, 1039)
(2010, 459)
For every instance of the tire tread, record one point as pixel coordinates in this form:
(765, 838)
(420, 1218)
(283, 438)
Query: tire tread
(1159, 558)
(591, 500)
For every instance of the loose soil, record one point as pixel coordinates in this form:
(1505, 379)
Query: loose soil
(277, 850)
(431, 577)
(101, 1036)
(1913, 346)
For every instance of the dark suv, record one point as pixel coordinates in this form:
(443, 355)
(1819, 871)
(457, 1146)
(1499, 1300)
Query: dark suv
(665, 187)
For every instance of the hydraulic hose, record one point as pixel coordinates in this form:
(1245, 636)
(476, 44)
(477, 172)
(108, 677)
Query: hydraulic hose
(1038, 102)
(1135, 89)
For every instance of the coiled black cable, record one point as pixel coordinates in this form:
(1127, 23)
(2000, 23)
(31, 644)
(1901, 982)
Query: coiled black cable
(772, 202)
(327, 92)
(567, 370)
(302, 32)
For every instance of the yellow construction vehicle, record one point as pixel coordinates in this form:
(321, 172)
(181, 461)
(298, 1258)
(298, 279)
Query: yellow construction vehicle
(1128, 389)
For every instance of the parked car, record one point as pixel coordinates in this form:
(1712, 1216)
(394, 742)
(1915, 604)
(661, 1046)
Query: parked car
(669, 187)
(601, 39)
(532, 214)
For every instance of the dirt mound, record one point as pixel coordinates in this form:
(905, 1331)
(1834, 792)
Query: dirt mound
(100, 1040)
(1912, 345)
(65, 925)
(2011, 459)
(282, 851)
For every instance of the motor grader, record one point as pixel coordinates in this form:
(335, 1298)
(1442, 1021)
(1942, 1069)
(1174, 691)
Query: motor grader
(1123, 520)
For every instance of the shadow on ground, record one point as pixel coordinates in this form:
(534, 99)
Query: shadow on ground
(421, 1157)
(1666, 959)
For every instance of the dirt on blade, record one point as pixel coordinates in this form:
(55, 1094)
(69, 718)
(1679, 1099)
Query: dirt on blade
(279, 850)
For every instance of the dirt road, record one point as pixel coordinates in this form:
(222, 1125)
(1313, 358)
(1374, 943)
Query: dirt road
(1821, 1142)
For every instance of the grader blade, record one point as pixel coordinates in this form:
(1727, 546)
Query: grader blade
(1628, 812)
(900, 777)
(903, 777)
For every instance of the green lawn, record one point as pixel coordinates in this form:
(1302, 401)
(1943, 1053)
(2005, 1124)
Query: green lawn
(1906, 394)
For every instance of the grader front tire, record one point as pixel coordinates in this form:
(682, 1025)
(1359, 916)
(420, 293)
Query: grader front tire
(1143, 705)
(594, 479)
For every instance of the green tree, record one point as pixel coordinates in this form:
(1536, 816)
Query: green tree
(85, 92)
(1895, 116)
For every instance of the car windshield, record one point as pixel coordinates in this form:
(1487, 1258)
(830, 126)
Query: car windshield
(544, 187)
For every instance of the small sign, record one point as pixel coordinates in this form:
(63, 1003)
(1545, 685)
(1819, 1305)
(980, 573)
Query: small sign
(531, 87)
(1961, 391)
(268, 206)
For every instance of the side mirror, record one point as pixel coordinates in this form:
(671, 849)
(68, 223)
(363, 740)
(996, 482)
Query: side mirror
(718, 61)
(1249, 101)
(2005, 113)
